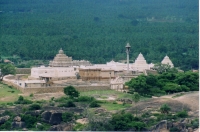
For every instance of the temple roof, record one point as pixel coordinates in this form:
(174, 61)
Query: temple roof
(140, 59)
(167, 60)
(61, 51)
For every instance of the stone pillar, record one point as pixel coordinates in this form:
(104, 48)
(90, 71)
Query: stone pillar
(127, 51)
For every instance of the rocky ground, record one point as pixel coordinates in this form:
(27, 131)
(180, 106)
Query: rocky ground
(180, 101)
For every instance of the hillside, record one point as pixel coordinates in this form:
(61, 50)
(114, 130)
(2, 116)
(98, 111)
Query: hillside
(58, 112)
(99, 30)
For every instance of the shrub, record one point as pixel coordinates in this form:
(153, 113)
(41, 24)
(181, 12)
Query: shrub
(51, 104)
(114, 102)
(34, 107)
(62, 99)
(182, 114)
(145, 115)
(185, 88)
(195, 123)
(6, 126)
(10, 103)
(41, 101)
(52, 98)
(26, 101)
(31, 95)
(30, 120)
(94, 104)
(10, 87)
(165, 109)
(71, 91)
(67, 116)
(78, 127)
(6, 112)
(138, 125)
(85, 99)
(68, 104)
(21, 100)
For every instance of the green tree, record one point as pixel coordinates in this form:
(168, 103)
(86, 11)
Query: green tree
(161, 68)
(189, 79)
(138, 84)
(71, 92)
(172, 88)
(6, 69)
(136, 98)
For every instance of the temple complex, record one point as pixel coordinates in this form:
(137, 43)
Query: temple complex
(166, 60)
(65, 71)
(61, 60)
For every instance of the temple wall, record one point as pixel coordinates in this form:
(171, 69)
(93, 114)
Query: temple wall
(53, 72)
(55, 89)
(23, 70)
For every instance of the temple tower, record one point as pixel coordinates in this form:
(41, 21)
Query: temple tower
(166, 60)
(140, 63)
(61, 60)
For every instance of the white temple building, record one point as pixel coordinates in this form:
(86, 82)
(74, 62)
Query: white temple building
(54, 72)
(166, 60)
(140, 64)
(62, 67)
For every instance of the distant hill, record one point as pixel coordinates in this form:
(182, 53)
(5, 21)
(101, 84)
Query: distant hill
(99, 30)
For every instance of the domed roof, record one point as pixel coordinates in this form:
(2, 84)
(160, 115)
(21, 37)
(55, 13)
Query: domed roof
(61, 51)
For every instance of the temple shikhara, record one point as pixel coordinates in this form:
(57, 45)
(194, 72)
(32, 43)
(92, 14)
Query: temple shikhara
(166, 60)
(62, 60)
(63, 70)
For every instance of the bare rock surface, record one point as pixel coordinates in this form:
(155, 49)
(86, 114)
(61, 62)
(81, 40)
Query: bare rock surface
(52, 117)
(3, 119)
(18, 124)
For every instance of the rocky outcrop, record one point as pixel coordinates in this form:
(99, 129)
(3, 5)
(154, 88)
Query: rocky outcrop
(52, 117)
(34, 113)
(17, 119)
(180, 126)
(159, 126)
(127, 101)
(100, 110)
(18, 124)
(3, 119)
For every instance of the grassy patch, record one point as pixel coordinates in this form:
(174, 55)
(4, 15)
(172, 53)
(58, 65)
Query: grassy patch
(114, 106)
(97, 92)
(105, 93)
(8, 93)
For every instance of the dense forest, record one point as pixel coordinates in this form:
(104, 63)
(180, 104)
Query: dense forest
(98, 30)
